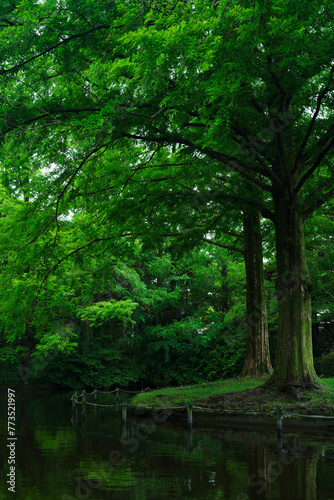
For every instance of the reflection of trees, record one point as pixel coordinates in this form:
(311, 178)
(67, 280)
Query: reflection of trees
(214, 464)
(293, 469)
(297, 480)
(260, 477)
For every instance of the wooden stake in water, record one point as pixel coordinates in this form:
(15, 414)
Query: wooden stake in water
(190, 417)
(95, 395)
(279, 425)
(74, 401)
(117, 395)
(124, 411)
(84, 402)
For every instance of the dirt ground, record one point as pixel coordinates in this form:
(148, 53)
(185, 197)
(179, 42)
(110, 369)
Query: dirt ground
(303, 401)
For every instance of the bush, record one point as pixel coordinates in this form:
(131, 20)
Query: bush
(327, 365)
(317, 365)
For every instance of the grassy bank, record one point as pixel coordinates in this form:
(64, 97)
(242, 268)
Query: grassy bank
(243, 393)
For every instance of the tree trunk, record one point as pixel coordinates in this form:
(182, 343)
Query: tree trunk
(257, 346)
(294, 357)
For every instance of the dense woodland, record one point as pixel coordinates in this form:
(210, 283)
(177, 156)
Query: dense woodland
(166, 191)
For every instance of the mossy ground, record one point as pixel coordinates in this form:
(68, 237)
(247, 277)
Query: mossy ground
(244, 394)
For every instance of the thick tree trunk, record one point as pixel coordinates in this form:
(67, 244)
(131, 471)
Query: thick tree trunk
(294, 357)
(257, 346)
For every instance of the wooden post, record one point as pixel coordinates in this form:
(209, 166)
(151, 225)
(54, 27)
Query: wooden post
(74, 401)
(84, 402)
(124, 411)
(190, 417)
(95, 395)
(74, 409)
(190, 439)
(117, 395)
(279, 422)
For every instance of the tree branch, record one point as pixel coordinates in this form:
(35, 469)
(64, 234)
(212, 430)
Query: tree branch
(274, 77)
(50, 49)
(49, 114)
(221, 245)
(96, 240)
(314, 117)
(82, 163)
(317, 204)
(315, 165)
(235, 165)
(230, 161)
(321, 143)
(266, 171)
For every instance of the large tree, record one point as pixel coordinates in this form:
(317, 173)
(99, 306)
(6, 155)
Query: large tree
(245, 84)
(240, 74)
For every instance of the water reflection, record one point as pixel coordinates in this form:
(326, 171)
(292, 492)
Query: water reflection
(298, 480)
(63, 456)
(294, 465)
(260, 476)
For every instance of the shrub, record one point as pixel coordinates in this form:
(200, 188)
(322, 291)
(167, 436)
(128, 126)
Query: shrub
(317, 365)
(327, 365)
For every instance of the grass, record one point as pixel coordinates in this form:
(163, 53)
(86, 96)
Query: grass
(231, 393)
(329, 382)
(199, 392)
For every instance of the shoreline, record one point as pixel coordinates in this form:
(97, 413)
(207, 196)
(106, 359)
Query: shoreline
(248, 398)
(234, 420)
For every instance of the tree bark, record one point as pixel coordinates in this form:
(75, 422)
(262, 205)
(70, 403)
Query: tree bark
(257, 343)
(294, 356)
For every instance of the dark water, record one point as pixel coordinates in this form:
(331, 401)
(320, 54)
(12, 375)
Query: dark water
(57, 458)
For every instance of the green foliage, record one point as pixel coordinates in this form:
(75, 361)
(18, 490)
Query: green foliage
(95, 363)
(102, 312)
(165, 327)
(327, 365)
(11, 354)
(59, 341)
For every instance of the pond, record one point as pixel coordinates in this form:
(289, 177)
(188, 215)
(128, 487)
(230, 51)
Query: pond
(65, 458)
